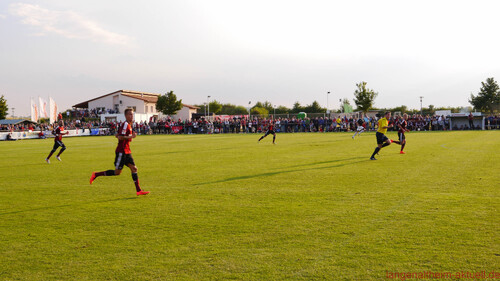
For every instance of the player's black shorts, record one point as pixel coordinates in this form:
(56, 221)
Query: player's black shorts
(270, 132)
(122, 159)
(401, 136)
(381, 138)
(58, 143)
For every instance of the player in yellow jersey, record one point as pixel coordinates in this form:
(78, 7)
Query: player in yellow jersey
(382, 140)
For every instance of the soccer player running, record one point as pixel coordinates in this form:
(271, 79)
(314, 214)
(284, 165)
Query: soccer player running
(401, 132)
(270, 130)
(361, 128)
(382, 140)
(123, 154)
(58, 132)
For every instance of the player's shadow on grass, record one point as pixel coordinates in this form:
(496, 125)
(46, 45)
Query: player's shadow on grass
(323, 162)
(65, 205)
(290, 171)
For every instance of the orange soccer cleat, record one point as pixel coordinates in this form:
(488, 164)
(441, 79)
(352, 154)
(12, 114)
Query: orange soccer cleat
(92, 178)
(142, 192)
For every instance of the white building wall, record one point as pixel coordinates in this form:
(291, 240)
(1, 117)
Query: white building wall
(182, 114)
(151, 108)
(106, 102)
(131, 102)
(120, 117)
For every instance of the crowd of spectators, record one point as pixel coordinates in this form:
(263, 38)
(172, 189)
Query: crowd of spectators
(86, 113)
(288, 125)
(416, 122)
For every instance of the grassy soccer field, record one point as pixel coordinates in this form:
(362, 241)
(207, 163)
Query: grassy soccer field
(311, 207)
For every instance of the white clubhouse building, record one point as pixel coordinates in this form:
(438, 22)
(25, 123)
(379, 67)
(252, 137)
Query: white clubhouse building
(144, 105)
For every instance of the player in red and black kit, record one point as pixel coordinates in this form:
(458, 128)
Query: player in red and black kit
(270, 130)
(361, 127)
(58, 132)
(123, 154)
(402, 124)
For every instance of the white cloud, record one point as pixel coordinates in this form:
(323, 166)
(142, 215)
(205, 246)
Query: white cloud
(65, 23)
(2, 16)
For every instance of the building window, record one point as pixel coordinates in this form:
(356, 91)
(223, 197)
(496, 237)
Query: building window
(152, 109)
(146, 109)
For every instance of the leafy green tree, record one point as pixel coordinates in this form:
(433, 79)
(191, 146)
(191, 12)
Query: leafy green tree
(168, 103)
(314, 108)
(215, 107)
(259, 111)
(228, 109)
(282, 109)
(240, 110)
(258, 104)
(488, 98)
(432, 109)
(297, 108)
(231, 109)
(403, 109)
(269, 106)
(363, 97)
(3, 107)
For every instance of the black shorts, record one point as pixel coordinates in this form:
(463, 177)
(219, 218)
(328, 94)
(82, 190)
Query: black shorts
(381, 138)
(401, 136)
(57, 144)
(122, 159)
(270, 132)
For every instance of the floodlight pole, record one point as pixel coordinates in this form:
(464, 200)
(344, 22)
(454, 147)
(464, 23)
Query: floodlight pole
(327, 94)
(249, 108)
(421, 111)
(208, 104)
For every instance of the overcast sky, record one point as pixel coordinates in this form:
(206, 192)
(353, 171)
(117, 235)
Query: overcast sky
(241, 51)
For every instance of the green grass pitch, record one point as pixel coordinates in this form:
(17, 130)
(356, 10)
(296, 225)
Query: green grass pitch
(311, 207)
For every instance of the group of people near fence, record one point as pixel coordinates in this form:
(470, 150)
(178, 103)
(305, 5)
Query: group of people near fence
(256, 124)
(289, 125)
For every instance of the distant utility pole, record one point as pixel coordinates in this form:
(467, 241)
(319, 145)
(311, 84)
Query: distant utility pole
(327, 111)
(249, 108)
(208, 103)
(421, 112)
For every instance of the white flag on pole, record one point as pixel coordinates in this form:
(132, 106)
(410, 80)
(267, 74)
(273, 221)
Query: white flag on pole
(52, 110)
(34, 111)
(43, 108)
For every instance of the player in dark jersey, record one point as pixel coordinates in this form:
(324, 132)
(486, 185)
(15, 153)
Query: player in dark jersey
(123, 155)
(58, 132)
(270, 130)
(361, 127)
(402, 124)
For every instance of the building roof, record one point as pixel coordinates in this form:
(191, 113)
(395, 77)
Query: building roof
(190, 106)
(148, 97)
(15, 121)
